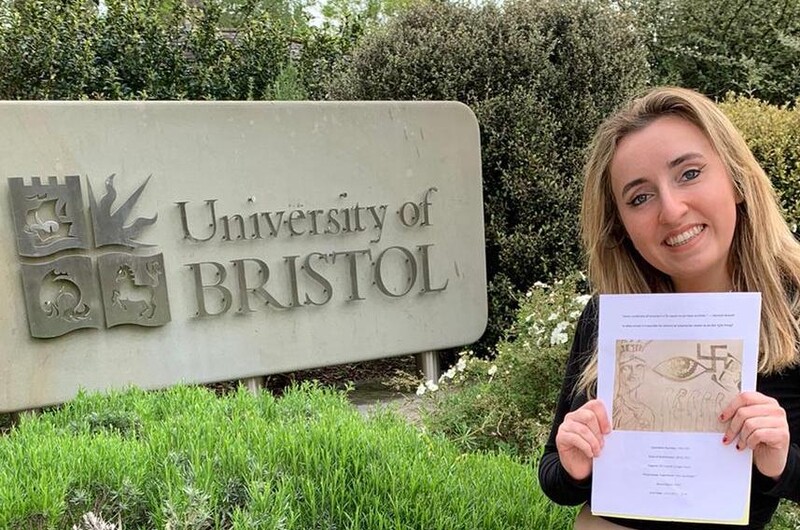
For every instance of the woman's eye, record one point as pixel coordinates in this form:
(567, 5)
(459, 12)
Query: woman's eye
(690, 174)
(637, 200)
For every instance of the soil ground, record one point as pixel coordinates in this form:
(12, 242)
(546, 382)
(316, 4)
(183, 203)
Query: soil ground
(362, 373)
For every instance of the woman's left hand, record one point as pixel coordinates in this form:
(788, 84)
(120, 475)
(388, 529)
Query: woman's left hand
(759, 422)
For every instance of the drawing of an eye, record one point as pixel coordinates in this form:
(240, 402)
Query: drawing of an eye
(680, 368)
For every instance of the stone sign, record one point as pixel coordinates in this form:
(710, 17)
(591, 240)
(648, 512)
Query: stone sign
(154, 243)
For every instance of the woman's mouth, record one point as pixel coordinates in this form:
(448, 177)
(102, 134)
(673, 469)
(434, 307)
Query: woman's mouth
(684, 237)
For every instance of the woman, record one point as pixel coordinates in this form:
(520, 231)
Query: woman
(674, 201)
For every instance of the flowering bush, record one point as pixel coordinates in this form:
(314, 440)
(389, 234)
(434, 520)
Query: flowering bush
(507, 403)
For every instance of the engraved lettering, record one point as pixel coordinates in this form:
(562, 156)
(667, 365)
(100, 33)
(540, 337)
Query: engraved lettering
(313, 216)
(333, 227)
(200, 288)
(352, 255)
(426, 207)
(412, 272)
(378, 218)
(291, 262)
(245, 290)
(404, 215)
(226, 224)
(187, 234)
(327, 288)
(426, 271)
(293, 216)
(274, 226)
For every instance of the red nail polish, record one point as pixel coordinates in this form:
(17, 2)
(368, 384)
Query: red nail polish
(724, 439)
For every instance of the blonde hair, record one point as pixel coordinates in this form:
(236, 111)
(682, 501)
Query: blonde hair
(764, 256)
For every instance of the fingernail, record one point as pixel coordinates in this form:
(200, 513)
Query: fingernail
(722, 417)
(724, 439)
(738, 447)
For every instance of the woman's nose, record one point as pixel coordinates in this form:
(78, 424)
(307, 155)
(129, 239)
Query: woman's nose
(673, 206)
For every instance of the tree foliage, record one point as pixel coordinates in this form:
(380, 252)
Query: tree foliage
(750, 47)
(161, 49)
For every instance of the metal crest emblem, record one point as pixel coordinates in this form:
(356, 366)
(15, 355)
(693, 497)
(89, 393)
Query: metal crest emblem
(110, 228)
(68, 293)
(48, 218)
(134, 289)
(61, 296)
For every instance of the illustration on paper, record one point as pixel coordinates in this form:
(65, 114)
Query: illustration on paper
(675, 385)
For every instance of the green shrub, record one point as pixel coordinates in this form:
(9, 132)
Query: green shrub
(539, 76)
(186, 459)
(786, 518)
(748, 47)
(773, 134)
(507, 404)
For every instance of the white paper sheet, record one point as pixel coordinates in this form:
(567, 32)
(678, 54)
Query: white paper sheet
(668, 364)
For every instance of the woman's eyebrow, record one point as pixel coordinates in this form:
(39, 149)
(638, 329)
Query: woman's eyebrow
(632, 184)
(683, 158)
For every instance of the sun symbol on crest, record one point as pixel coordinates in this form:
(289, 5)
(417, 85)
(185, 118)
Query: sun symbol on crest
(110, 228)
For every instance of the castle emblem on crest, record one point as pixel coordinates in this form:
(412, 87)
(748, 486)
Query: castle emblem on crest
(69, 293)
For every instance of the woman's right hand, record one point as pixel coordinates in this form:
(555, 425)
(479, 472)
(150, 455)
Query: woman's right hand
(580, 438)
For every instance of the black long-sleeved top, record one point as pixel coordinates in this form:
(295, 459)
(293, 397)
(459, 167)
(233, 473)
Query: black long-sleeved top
(765, 492)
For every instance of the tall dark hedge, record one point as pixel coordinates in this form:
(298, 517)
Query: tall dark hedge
(540, 75)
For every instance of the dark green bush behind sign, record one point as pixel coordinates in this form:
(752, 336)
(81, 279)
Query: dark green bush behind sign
(540, 75)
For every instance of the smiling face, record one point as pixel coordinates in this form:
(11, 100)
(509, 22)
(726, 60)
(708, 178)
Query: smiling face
(677, 203)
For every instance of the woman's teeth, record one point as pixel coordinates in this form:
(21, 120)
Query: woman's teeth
(683, 238)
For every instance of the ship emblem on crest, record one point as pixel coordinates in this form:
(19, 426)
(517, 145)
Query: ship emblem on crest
(74, 292)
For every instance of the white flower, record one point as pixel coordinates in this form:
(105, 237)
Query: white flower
(552, 316)
(559, 336)
(575, 314)
(430, 385)
(461, 364)
(583, 299)
(492, 370)
(529, 294)
(421, 389)
(529, 317)
(90, 521)
(540, 285)
(449, 374)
